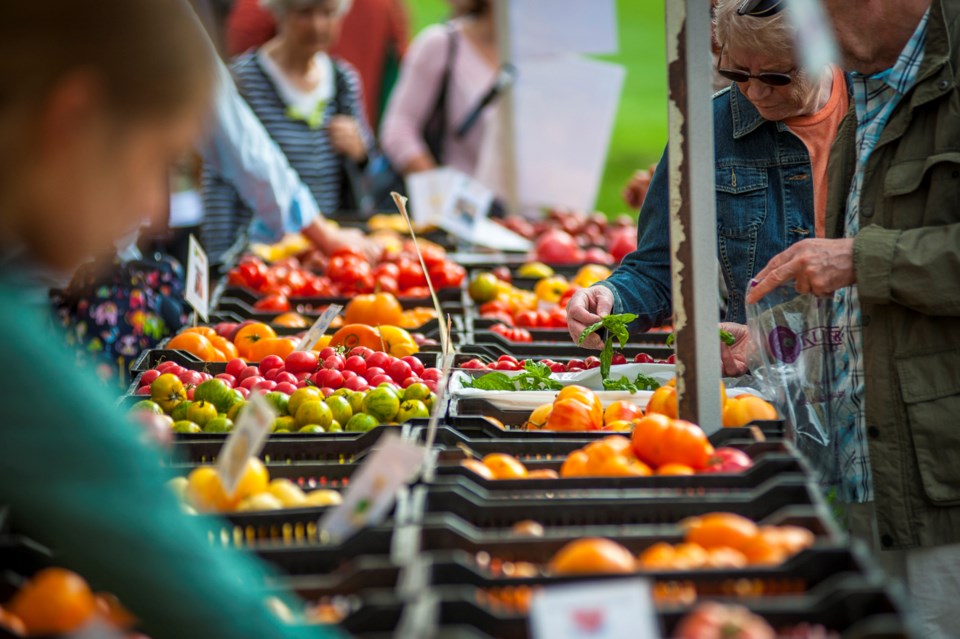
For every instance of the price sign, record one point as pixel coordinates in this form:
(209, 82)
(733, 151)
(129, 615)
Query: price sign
(245, 441)
(319, 328)
(620, 609)
(198, 279)
(373, 488)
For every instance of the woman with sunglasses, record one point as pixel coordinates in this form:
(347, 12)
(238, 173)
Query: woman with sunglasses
(773, 129)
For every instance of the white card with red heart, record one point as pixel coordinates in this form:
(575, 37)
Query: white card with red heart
(615, 609)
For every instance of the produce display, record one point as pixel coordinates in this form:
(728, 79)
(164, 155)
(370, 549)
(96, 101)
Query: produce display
(534, 480)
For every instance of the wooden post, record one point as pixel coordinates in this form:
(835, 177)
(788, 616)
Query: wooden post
(693, 241)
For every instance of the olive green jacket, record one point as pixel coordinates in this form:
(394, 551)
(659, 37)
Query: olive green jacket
(907, 262)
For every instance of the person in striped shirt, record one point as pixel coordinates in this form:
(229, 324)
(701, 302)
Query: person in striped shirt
(312, 107)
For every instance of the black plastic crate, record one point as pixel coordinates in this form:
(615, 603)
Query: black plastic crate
(369, 547)
(646, 508)
(338, 448)
(249, 297)
(650, 339)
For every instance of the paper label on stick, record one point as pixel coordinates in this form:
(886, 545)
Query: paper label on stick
(373, 488)
(594, 610)
(198, 279)
(319, 327)
(245, 441)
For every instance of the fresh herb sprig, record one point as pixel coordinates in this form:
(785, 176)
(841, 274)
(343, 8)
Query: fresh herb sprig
(725, 336)
(615, 326)
(535, 376)
(642, 382)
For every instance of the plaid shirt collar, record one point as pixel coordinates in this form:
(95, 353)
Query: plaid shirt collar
(903, 74)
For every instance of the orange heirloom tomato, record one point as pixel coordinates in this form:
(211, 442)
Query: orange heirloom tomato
(648, 438)
(505, 466)
(206, 331)
(571, 415)
(373, 309)
(352, 335)
(543, 473)
(397, 341)
(664, 402)
(687, 444)
(291, 320)
(538, 418)
(225, 346)
(249, 335)
(280, 346)
(589, 398)
(622, 410)
(194, 343)
(720, 530)
(592, 555)
(675, 469)
(742, 410)
(478, 467)
(575, 465)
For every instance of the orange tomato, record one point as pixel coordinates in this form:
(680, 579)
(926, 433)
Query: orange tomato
(291, 320)
(742, 410)
(621, 426)
(589, 398)
(792, 539)
(719, 530)
(206, 331)
(397, 341)
(12, 623)
(689, 556)
(675, 469)
(572, 415)
(538, 418)
(505, 466)
(663, 402)
(280, 346)
(373, 309)
(194, 343)
(725, 558)
(620, 466)
(543, 473)
(575, 465)
(764, 550)
(687, 444)
(659, 556)
(227, 348)
(55, 602)
(352, 335)
(647, 438)
(249, 335)
(622, 410)
(592, 555)
(206, 493)
(478, 467)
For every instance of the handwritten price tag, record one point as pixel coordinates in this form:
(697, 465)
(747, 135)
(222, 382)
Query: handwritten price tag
(373, 488)
(319, 327)
(198, 279)
(621, 609)
(245, 441)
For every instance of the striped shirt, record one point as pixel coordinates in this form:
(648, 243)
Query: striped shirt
(226, 217)
(875, 98)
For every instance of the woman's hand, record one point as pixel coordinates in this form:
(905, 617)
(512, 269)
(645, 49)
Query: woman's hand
(734, 358)
(345, 137)
(588, 306)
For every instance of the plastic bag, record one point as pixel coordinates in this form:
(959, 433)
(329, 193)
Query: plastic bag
(799, 359)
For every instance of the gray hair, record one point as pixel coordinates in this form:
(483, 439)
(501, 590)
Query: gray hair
(280, 7)
(767, 34)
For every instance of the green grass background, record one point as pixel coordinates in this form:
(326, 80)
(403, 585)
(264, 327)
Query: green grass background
(640, 132)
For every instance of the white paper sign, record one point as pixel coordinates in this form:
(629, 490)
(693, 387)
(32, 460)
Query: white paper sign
(554, 27)
(245, 441)
(373, 488)
(431, 193)
(198, 279)
(595, 610)
(560, 160)
(319, 327)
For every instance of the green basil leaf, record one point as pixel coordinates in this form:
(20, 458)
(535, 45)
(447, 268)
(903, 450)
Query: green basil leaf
(727, 338)
(493, 382)
(538, 369)
(590, 330)
(622, 384)
(645, 382)
(671, 338)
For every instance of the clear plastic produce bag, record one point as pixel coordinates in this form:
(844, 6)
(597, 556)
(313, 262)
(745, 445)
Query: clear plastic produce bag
(800, 360)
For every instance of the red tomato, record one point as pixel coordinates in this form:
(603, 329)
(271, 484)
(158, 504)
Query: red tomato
(500, 316)
(273, 304)
(565, 298)
(387, 269)
(557, 317)
(419, 292)
(527, 318)
(495, 306)
(447, 275)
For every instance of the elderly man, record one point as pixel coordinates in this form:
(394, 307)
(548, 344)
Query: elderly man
(894, 270)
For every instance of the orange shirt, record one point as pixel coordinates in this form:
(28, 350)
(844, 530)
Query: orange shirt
(818, 131)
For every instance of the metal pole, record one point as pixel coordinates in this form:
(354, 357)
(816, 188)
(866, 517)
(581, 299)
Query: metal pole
(693, 240)
(506, 120)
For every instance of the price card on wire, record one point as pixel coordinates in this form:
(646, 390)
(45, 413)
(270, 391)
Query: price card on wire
(198, 279)
(245, 441)
(319, 327)
(374, 486)
(615, 609)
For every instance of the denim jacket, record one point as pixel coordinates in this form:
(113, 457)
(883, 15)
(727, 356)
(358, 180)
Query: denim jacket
(764, 204)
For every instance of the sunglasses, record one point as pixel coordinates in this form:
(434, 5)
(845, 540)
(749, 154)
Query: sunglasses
(772, 78)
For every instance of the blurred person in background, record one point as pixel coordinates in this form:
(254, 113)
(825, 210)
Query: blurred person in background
(373, 38)
(446, 74)
(95, 107)
(310, 105)
(773, 129)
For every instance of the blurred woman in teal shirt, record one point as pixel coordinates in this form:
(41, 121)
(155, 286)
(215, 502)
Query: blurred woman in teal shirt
(96, 100)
